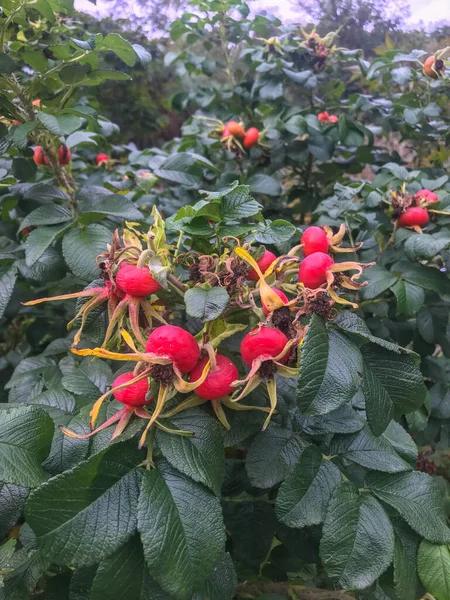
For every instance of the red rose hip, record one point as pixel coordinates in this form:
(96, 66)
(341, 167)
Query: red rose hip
(312, 272)
(263, 342)
(314, 239)
(413, 217)
(218, 382)
(176, 343)
(280, 294)
(136, 281)
(251, 138)
(235, 129)
(133, 395)
(426, 195)
(263, 263)
(64, 155)
(39, 157)
(101, 158)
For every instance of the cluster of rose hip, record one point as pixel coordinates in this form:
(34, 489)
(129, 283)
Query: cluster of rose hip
(164, 354)
(413, 210)
(64, 156)
(234, 132)
(326, 118)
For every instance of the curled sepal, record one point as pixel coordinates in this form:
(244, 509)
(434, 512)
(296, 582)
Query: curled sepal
(185, 387)
(272, 390)
(123, 417)
(220, 414)
(251, 384)
(166, 429)
(271, 300)
(191, 402)
(159, 406)
(336, 240)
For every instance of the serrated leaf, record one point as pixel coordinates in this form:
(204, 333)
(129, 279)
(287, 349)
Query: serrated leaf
(117, 44)
(7, 64)
(25, 437)
(74, 74)
(85, 514)
(272, 455)
(342, 420)
(206, 305)
(113, 205)
(409, 297)
(200, 456)
(378, 279)
(417, 498)
(406, 545)
(392, 385)
(376, 453)
(351, 323)
(425, 246)
(275, 232)
(180, 548)
(8, 276)
(67, 452)
(40, 239)
(82, 246)
(49, 214)
(428, 278)
(357, 541)
(142, 53)
(50, 122)
(12, 501)
(221, 583)
(303, 497)
(433, 563)
(330, 370)
(237, 203)
(125, 575)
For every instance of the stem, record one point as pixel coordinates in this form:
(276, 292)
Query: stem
(5, 25)
(177, 249)
(179, 287)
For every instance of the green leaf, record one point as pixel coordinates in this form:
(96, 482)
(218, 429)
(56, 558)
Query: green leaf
(276, 232)
(73, 74)
(117, 44)
(221, 583)
(40, 239)
(432, 324)
(125, 575)
(88, 44)
(433, 563)
(25, 438)
(12, 501)
(376, 453)
(406, 545)
(29, 377)
(100, 75)
(271, 91)
(417, 498)
(206, 305)
(80, 248)
(428, 278)
(48, 214)
(200, 456)
(237, 203)
(18, 135)
(67, 452)
(409, 298)
(300, 77)
(392, 385)
(7, 64)
(303, 497)
(50, 122)
(181, 529)
(357, 540)
(351, 323)
(24, 169)
(84, 515)
(8, 276)
(342, 420)
(263, 184)
(272, 455)
(114, 205)
(81, 137)
(379, 279)
(180, 168)
(330, 370)
(425, 246)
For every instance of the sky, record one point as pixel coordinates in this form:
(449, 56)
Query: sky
(426, 11)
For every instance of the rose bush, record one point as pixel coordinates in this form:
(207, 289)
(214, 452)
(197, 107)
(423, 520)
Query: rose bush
(257, 314)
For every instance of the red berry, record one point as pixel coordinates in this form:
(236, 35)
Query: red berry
(312, 272)
(323, 116)
(136, 281)
(133, 395)
(333, 119)
(176, 343)
(39, 157)
(413, 216)
(16, 122)
(265, 341)
(263, 263)
(433, 68)
(26, 230)
(217, 383)
(226, 132)
(235, 129)
(280, 294)
(426, 195)
(251, 138)
(314, 239)
(101, 158)
(64, 155)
